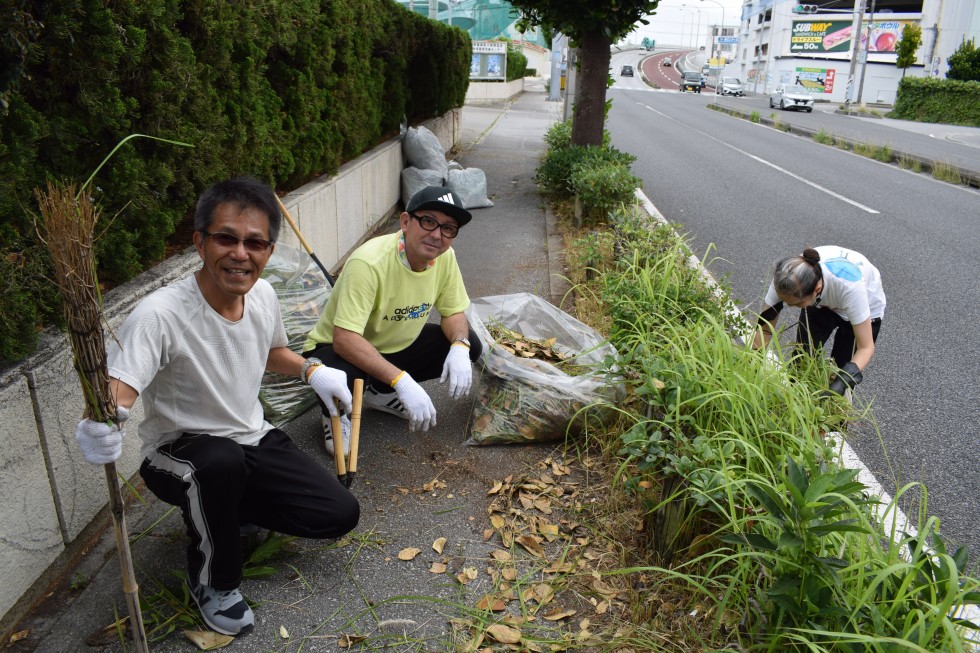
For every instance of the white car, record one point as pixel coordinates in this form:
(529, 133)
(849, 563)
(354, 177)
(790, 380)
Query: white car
(791, 96)
(731, 86)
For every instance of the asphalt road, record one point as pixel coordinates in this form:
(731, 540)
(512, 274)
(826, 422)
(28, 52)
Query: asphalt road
(754, 194)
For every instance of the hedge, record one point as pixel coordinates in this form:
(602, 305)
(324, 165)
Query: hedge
(285, 91)
(938, 100)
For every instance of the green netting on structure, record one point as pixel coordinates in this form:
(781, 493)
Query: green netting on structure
(483, 20)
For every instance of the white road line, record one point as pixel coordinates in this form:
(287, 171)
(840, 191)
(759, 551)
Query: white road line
(813, 184)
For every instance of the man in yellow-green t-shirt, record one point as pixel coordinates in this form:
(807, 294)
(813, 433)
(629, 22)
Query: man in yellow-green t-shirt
(374, 326)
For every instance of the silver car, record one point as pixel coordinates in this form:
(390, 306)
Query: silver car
(791, 96)
(731, 86)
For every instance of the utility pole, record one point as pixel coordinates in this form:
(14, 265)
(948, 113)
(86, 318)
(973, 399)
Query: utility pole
(434, 9)
(859, 6)
(867, 46)
(554, 87)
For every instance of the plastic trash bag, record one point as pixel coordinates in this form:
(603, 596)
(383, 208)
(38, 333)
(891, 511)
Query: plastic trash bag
(302, 291)
(415, 179)
(471, 186)
(423, 150)
(522, 400)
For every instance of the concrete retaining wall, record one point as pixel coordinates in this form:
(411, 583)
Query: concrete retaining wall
(48, 493)
(489, 92)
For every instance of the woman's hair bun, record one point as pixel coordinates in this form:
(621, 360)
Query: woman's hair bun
(811, 256)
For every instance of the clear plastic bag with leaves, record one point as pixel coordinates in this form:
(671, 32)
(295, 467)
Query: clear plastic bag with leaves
(541, 367)
(302, 290)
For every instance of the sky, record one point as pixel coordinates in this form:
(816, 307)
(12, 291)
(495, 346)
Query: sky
(677, 22)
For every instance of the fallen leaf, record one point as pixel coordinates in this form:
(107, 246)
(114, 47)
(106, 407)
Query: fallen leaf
(531, 544)
(557, 614)
(208, 640)
(544, 505)
(471, 572)
(509, 574)
(437, 568)
(550, 531)
(500, 555)
(497, 487)
(491, 603)
(504, 634)
(408, 553)
(347, 641)
(487, 534)
(646, 485)
(602, 608)
(283, 632)
(497, 521)
(434, 484)
(19, 635)
(439, 544)
(403, 490)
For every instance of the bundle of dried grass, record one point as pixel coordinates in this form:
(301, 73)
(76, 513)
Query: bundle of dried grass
(67, 228)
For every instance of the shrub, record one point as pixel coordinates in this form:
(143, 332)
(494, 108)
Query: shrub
(602, 187)
(964, 64)
(558, 165)
(938, 100)
(516, 64)
(285, 95)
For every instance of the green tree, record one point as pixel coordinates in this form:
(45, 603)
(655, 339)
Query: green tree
(593, 25)
(964, 64)
(907, 45)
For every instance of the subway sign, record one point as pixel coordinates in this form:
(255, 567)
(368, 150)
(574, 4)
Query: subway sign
(823, 36)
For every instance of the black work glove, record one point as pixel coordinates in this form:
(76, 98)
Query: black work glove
(848, 377)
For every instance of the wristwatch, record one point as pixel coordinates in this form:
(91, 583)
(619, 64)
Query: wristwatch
(307, 364)
(462, 340)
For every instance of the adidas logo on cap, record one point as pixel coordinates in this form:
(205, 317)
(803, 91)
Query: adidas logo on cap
(447, 198)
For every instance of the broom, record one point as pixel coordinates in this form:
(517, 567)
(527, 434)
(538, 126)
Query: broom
(67, 228)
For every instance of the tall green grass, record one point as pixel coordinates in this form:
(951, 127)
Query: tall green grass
(724, 447)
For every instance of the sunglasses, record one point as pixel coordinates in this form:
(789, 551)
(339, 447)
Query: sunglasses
(431, 224)
(227, 240)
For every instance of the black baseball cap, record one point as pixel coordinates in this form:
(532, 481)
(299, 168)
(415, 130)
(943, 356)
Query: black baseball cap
(439, 198)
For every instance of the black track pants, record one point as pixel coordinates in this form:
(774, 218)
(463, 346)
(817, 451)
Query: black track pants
(817, 325)
(221, 485)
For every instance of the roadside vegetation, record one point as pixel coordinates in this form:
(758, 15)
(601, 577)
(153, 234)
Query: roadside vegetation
(734, 523)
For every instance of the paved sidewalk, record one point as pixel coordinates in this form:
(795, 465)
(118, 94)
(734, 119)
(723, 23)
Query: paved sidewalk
(329, 589)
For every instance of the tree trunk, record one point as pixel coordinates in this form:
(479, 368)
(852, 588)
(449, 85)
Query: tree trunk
(590, 101)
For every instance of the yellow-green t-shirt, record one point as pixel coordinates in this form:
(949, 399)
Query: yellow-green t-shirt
(378, 297)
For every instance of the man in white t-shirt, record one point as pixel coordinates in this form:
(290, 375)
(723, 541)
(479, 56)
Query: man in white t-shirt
(374, 325)
(195, 352)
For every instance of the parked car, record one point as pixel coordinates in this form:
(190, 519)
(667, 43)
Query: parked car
(691, 81)
(731, 86)
(791, 96)
(667, 62)
(626, 71)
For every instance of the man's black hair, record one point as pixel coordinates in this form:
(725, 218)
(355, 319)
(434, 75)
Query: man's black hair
(245, 192)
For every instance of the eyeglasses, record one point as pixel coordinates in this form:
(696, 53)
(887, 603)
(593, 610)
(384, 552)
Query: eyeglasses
(227, 240)
(431, 224)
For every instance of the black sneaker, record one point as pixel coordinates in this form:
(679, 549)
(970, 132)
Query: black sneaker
(225, 612)
(386, 403)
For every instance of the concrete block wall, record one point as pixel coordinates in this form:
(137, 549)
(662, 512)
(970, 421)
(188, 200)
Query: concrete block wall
(490, 92)
(48, 493)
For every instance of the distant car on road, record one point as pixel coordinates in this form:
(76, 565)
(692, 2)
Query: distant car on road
(626, 71)
(667, 62)
(731, 86)
(791, 96)
(691, 81)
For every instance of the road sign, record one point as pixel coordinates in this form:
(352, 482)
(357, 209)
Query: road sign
(727, 39)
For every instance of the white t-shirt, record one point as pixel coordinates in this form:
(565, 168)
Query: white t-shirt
(851, 285)
(196, 371)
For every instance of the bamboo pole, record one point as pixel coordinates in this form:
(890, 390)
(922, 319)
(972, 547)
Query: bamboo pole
(67, 229)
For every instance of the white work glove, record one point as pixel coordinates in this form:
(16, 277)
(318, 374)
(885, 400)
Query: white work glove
(330, 385)
(101, 443)
(458, 370)
(421, 412)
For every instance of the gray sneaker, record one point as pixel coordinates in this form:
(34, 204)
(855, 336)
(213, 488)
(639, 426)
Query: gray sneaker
(328, 433)
(386, 403)
(225, 612)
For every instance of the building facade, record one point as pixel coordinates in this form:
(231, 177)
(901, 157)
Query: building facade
(814, 45)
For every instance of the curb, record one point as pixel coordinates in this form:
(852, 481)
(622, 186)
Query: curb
(969, 177)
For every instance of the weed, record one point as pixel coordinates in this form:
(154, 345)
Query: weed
(823, 137)
(909, 163)
(841, 143)
(877, 152)
(79, 582)
(755, 117)
(945, 171)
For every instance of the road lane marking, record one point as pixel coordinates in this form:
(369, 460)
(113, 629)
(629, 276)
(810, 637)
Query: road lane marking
(772, 165)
